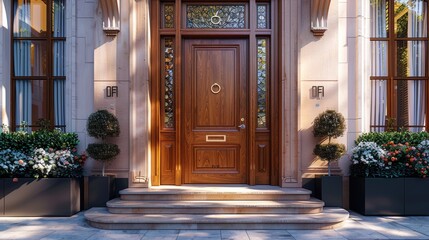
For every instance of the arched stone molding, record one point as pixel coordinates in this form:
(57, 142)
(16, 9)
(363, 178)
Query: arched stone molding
(111, 16)
(290, 138)
(319, 16)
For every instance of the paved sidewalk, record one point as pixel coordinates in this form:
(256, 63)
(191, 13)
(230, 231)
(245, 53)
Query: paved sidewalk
(75, 228)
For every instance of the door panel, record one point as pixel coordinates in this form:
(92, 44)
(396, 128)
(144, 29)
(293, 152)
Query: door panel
(215, 104)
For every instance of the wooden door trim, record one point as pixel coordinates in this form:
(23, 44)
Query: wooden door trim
(275, 91)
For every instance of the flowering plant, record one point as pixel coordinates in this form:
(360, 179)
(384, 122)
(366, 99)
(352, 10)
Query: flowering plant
(13, 163)
(366, 159)
(390, 160)
(40, 153)
(421, 165)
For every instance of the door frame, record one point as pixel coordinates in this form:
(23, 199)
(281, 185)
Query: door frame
(168, 142)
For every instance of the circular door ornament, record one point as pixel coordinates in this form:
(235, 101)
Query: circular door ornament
(215, 88)
(215, 19)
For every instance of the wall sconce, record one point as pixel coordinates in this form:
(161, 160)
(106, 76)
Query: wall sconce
(319, 16)
(111, 17)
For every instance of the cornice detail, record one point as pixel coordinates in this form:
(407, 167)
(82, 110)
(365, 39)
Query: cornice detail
(111, 16)
(319, 16)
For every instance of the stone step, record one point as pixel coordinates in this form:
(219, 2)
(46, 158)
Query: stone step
(214, 192)
(328, 219)
(215, 206)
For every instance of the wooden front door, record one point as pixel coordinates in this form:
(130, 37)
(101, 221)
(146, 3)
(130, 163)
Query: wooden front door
(215, 111)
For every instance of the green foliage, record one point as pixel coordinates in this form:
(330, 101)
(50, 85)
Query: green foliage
(42, 153)
(102, 124)
(329, 124)
(102, 151)
(26, 142)
(381, 138)
(330, 151)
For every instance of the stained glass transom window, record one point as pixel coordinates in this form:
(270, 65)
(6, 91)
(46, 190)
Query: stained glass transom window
(168, 82)
(168, 15)
(263, 17)
(262, 83)
(215, 16)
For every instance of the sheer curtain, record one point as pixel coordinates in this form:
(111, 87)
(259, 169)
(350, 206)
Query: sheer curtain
(22, 63)
(379, 64)
(417, 20)
(58, 62)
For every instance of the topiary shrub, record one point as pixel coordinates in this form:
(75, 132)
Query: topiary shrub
(103, 124)
(329, 124)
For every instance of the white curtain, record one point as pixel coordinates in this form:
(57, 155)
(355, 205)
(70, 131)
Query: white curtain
(379, 64)
(22, 63)
(417, 27)
(58, 62)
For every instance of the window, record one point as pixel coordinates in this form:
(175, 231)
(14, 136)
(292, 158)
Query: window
(38, 75)
(399, 71)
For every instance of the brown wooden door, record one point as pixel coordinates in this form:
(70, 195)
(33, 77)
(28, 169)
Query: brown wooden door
(215, 105)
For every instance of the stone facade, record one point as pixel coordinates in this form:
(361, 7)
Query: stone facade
(338, 61)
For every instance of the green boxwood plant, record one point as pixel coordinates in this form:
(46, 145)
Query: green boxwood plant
(101, 125)
(329, 124)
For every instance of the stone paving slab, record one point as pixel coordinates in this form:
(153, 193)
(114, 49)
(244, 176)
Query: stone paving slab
(358, 227)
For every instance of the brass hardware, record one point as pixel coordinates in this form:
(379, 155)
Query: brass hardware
(215, 85)
(215, 138)
(242, 125)
(215, 19)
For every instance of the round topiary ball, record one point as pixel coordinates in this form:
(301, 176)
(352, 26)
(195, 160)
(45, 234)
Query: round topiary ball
(102, 124)
(329, 124)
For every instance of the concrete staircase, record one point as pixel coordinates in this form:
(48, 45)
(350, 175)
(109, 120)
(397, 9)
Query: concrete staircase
(216, 207)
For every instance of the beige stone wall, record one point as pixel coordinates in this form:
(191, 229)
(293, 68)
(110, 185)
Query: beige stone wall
(329, 61)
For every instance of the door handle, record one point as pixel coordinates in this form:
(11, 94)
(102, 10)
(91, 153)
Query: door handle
(242, 125)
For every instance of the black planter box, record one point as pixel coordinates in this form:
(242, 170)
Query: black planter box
(416, 193)
(377, 196)
(1, 197)
(45, 197)
(99, 190)
(330, 190)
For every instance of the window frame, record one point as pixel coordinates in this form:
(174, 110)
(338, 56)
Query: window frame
(391, 40)
(49, 77)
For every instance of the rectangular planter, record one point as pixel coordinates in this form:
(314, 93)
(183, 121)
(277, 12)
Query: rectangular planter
(41, 197)
(99, 190)
(377, 196)
(1, 197)
(416, 196)
(331, 190)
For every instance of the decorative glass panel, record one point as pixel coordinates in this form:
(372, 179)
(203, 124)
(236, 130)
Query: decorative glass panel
(262, 83)
(168, 15)
(168, 77)
(263, 16)
(215, 16)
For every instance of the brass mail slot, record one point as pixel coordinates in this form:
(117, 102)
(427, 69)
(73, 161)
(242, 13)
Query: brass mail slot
(215, 138)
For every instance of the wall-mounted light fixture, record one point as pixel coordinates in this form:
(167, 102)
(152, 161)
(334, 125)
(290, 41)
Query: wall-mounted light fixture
(319, 16)
(111, 16)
